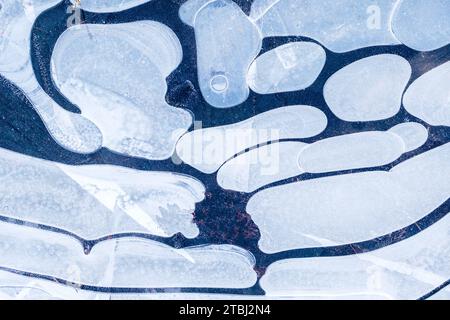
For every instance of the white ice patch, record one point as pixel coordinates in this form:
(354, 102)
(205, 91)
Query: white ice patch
(97, 200)
(405, 270)
(227, 43)
(279, 161)
(290, 67)
(72, 131)
(107, 5)
(369, 89)
(428, 98)
(188, 10)
(125, 262)
(351, 208)
(340, 25)
(422, 25)
(207, 149)
(116, 75)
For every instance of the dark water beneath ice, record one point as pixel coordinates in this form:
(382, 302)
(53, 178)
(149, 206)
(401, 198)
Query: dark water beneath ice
(221, 217)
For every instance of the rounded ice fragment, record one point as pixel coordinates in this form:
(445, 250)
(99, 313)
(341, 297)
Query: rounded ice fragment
(116, 74)
(369, 89)
(428, 98)
(72, 131)
(422, 25)
(290, 67)
(227, 43)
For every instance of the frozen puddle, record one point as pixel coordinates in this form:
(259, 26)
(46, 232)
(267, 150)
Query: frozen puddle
(353, 207)
(97, 200)
(227, 43)
(428, 98)
(369, 89)
(278, 161)
(207, 149)
(125, 262)
(405, 270)
(339, 25)
(108, 6)
(290, 67)
(422, 25)
(116, 75)
(70, 130)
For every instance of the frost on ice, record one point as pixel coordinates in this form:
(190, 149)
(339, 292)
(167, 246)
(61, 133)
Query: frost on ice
(353, 207)
(227, 43)
(70, 130)
(290, 67)
(369, 89)
(116, 74)
(405, 270)
(97, 200)
(428, 98)
(422, 25)
(108, 6)
(124, 262)
(341, 26)
(279, 161)
(207, 149)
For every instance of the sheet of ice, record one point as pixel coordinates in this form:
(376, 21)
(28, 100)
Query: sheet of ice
(422, 25)
(353, 207)
(109, 5)
(227, 43)
(290, 67)
(97, 200)
(369, 89)
(278, 161)
(340, 25)
(125, 262)
(116, 75)
(207, 149)
(428, 98)
(406, 270)
(19, 287)
(72, 131)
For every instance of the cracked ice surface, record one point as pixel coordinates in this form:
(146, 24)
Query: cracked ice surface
(116, 75)
(405, 270)
(422, 25)
(227, 43)
(340, 25)
(279, 161)
(428, 98)
(207, 149)
(369, 89)
(353, 207)
(125, 262)
(70, 130)
(109, 5)
(97, 200)
(290, 67)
